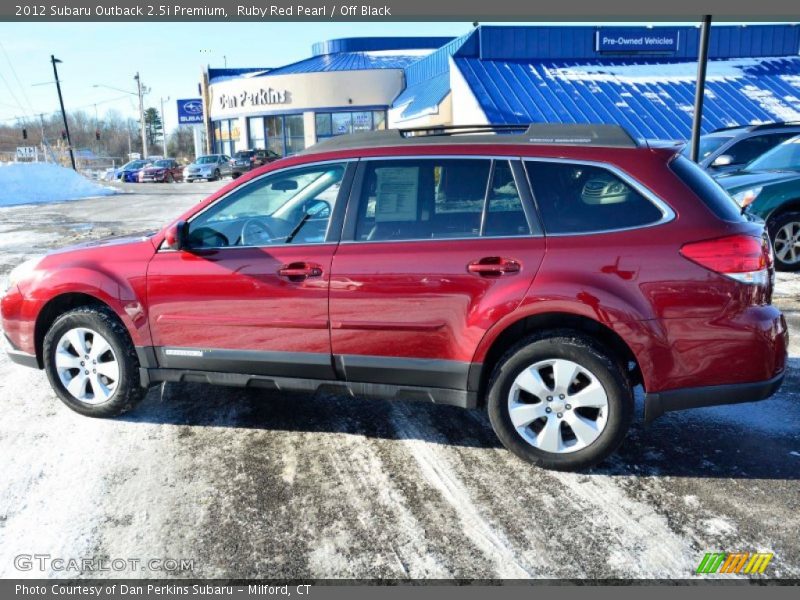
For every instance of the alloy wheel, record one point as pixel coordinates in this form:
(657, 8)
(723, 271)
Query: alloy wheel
(87, 366)
(558, 406)
(787, 243)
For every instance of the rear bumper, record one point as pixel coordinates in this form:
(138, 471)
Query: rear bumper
(658, 403)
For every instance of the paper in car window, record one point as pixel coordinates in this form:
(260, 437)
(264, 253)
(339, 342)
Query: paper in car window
(396, 193)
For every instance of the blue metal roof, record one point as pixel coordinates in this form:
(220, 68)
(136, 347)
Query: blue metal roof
(365, 44)
(423, 98)
(653, 99)
(564, 42)
(348, 61)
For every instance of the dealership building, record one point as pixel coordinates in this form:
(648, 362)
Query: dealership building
(640, 77)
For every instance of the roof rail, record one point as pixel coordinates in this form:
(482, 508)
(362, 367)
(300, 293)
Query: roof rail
(751, 127)
(590, 134)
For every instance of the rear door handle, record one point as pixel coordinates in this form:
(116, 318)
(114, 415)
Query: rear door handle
(299, 271)
(494, 266)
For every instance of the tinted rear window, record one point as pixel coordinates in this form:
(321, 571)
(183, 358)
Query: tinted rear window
(580, 198)
(709, 191)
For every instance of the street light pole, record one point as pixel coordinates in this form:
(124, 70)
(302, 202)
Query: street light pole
(702, 64)
(164, 125)
(54, 60)
(141, 114)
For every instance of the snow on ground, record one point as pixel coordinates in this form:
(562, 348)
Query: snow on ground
(38, 183)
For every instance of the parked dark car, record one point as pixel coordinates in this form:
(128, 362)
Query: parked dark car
(246, 160)
(541, 281)
(769, 187)
(130, 174)
(730, 149)
(166, 170)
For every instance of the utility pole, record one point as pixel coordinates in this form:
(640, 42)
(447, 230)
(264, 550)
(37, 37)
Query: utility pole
(702, 64)
(54, 60)
(164, 125)
(141, 114)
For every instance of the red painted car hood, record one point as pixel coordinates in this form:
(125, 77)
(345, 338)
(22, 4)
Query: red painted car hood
(114, 241)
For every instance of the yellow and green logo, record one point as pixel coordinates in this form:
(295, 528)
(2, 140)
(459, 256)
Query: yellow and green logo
(734, 562)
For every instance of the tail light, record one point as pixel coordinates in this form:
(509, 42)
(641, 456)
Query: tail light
(741, 257)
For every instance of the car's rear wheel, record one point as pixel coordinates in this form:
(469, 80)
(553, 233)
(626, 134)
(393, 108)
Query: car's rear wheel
(784, 231)
(560, 401)
(91, 362)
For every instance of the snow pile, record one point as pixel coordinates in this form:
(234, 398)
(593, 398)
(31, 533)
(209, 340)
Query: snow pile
(39, 183)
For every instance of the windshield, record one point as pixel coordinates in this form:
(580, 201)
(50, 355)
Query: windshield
(708, 144)
(164, 164)
(244, 154)
(136, 164)
(783, 157)
(206, 160)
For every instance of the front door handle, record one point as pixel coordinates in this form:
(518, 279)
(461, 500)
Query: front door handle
(300, 271)
(494, 266)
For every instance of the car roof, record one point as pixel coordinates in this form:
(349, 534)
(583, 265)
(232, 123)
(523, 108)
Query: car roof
(547, 134)
(737, 129)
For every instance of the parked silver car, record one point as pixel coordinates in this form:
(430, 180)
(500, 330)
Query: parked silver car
(210, 167)
(730, 149)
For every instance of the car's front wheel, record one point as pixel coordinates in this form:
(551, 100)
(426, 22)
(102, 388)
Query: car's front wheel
(784, 231)
(91, 362)
(560, 401)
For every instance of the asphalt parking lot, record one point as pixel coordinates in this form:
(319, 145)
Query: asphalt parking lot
(254, 483)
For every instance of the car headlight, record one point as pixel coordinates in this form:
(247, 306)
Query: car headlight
(19, 272)
(746, 197)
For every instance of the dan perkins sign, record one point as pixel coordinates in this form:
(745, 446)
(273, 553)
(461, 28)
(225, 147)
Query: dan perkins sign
(637, 39)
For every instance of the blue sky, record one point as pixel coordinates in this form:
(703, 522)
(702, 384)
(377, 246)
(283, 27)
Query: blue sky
(169, 57)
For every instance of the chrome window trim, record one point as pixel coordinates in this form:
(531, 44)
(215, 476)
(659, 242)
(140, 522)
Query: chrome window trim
(510, 158)
(344, 162)
(459, 239)
(667, 214)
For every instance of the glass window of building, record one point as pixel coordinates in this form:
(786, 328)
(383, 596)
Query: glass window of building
(226, 134)
(255, 132)
(294, 134)
(342, 123)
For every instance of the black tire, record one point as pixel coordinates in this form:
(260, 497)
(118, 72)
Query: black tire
(575, 347)
(217, 175)
(169, 178)
(774, 226)
(128, 392)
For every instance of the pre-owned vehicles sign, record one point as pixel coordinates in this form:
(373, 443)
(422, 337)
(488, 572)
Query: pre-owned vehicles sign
(636, 39)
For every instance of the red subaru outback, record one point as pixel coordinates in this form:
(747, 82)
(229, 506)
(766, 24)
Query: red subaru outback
(542, 275)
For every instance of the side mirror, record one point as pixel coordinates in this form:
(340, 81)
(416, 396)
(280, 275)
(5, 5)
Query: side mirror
(175, 237)
(723, 160)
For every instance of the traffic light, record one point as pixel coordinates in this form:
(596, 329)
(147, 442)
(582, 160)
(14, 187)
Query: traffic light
(97, 134)
(24, 134)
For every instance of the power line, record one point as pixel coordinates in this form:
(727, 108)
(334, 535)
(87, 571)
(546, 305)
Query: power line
(14, 72)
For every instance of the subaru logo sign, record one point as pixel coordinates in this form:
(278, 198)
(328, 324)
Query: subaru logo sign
(190, 111)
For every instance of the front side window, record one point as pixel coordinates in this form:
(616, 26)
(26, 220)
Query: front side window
(784, 157)
(753, 147)
(580, 198)
(423, 199)
(286, 207)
